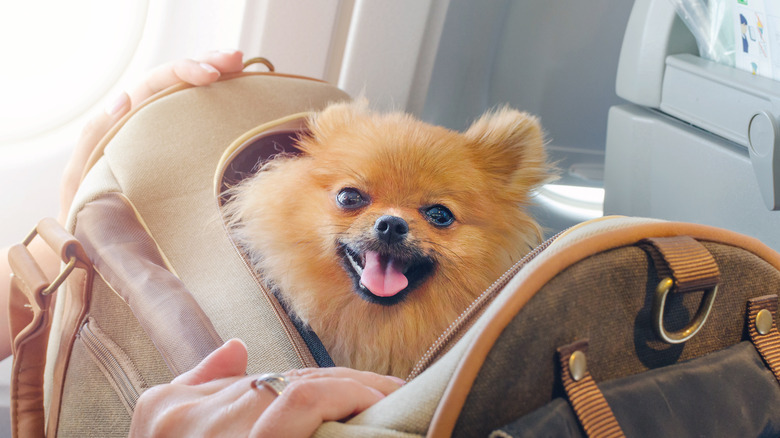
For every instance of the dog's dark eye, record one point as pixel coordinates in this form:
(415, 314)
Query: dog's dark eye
(439, 215)
(351, 198)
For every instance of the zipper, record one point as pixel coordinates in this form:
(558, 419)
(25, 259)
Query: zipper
(463, 322)
(127, 389)
(296, 340)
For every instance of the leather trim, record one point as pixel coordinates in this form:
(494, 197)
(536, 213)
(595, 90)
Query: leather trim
(76, 306)
(459, 386)
(251, 152)
(57, 237)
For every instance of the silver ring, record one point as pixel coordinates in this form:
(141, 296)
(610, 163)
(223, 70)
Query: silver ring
(274, 381)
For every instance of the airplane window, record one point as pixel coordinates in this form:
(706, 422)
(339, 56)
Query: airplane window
(60, 59)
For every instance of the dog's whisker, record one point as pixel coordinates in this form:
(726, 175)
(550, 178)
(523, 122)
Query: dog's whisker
(441, 246)
(338, 234)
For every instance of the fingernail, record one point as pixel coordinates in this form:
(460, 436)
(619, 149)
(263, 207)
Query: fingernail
(209, 68)
(117, 104)
(398, 380)
(236, 340)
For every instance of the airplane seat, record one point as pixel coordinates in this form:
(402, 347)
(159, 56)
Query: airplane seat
(696, 141)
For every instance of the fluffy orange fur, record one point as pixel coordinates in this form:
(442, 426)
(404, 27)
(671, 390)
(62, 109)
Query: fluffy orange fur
(288, 220)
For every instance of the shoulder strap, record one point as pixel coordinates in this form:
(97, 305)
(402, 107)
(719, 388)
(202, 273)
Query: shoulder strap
(30, 321)
(128, 258)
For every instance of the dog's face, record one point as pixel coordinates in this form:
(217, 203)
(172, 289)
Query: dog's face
(386, 228)
(384, 261)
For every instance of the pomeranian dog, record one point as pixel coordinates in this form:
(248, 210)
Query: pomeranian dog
(386, 228)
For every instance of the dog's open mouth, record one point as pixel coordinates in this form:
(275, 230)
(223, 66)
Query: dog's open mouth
(383, 278)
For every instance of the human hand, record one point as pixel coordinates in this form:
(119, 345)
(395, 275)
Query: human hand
(201, 71)
(217, 399)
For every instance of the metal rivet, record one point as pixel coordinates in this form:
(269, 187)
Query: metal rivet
(764, 321)
(578, 366)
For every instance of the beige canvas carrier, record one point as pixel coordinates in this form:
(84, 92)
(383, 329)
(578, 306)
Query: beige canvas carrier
(152, 283)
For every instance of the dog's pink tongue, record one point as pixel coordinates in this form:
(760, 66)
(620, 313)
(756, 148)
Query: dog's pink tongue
(382, 276)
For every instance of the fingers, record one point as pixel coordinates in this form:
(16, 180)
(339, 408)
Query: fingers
(91, 134)
(306, 403)
(226, 61)
(239, 407)
(212, 400)
(383, 384)
(209, 409)
(202, 71)
(322, 394)
(229, 360)
(209, 400)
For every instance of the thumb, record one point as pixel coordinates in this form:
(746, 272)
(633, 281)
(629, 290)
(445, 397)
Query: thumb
(90, 137)
(229, 360)
(97, 127)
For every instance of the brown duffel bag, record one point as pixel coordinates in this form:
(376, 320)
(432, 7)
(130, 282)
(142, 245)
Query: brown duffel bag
(568, 342)
(626, 327)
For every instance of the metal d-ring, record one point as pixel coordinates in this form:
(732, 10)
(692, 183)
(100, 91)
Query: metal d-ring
(60, 278)
(695, 325)
(54, 285)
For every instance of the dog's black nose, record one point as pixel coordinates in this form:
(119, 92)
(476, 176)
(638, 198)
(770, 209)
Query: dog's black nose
(391, 229)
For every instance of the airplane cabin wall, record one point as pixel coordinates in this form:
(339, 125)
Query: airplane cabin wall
(555, 59)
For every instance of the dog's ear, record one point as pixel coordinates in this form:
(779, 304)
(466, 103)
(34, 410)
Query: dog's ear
(336, 117)
(510, 145)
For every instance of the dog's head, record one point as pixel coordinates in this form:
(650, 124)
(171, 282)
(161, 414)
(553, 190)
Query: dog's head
(392, 217)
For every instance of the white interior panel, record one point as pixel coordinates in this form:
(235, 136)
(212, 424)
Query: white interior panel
(296, 37)
(387, 41)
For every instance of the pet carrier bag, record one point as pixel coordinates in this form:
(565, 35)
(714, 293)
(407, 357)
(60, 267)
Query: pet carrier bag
(619, 325)
(157, 283)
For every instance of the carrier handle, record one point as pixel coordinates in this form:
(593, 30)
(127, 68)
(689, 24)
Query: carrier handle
(259, 60)
(29, 316)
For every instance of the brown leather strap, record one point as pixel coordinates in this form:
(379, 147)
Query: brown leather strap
(589, 404)
(30, 321)
(75, 306)
(685, 260)
(763, 330)
(29, 317)
(138, 272)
